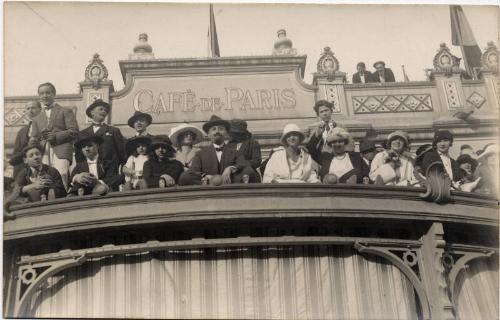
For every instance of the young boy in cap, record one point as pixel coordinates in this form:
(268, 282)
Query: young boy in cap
(94, 175)
(319, 132)
(112, 147)
(217, 159)
(443, 140)
(140, 121)
(38, 181)
(160, 170)
(242, 141)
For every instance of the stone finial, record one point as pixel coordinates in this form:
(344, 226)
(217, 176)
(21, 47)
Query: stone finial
(96, 71)
(142, 50)
(444, 61)
(328, 63)
(489, 59)
(283, 45)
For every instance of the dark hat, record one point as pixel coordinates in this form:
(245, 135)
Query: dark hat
(239, 126)
(86, 138)
(367, 146)
(216, 121)
(465, 158)
(422, 150)
(32, 146)
(98, 102)
(131, 144)
(138, 115)
(442, 135)
(378, 62)
(162, 139)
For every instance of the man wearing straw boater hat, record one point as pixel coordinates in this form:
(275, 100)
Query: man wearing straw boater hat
(217, 164)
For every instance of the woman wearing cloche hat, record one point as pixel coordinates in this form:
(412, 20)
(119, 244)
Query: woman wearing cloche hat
(393, 166)
(291, 163)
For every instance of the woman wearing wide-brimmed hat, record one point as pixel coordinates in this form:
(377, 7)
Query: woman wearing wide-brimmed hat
(346, 167)
(394, 166)
(291, 163)
(184, 137)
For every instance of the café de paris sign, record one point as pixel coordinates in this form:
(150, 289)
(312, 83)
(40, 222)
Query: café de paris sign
(253, 88)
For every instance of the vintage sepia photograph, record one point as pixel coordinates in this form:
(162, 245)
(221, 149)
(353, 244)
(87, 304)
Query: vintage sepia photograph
(250, 160)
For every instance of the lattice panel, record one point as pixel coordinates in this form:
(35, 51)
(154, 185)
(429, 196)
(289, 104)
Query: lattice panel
(332, 95)
(392, 103)
(15, 117)
(476, 100)
(452, 97)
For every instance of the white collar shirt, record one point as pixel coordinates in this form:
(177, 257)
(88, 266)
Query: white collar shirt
(219, 153)
(48, 110)
(93, 166)
(447, 164)
(362, 77)
(96, 126)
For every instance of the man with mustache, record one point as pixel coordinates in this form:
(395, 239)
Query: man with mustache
(217, 159)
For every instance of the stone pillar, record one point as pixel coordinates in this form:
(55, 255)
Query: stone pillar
(330, 82)
(489, 73)
(96, 86)
(432, 273)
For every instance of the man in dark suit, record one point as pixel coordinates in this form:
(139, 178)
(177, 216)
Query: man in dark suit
(245, 144)
(217, 159)
(443, 140)
(94, 175)
(33, 108)
(382, 74)
(362, 76)
(112, 147)
(55, 128)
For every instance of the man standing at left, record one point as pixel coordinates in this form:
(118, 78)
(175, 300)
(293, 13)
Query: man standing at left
(56, 129)
(33, 108)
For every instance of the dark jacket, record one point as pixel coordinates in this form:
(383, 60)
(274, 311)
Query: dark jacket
(22, 139)
(250, 150)
(314, 147)
(388, 75)
(107, 172)
(23, 179)
(356, 78)
(205, 161)
(112, 147)
(433, 156)
(360, 168)
(153, 169)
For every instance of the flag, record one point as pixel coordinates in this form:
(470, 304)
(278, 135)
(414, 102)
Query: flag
(213, 42)
(461, 35)
(404, 74)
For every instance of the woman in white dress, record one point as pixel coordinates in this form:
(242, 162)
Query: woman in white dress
(291, 164)
(394, 166)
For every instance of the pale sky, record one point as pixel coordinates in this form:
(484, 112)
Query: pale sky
(55, 41)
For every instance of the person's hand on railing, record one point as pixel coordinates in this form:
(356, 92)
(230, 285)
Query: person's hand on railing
(169, 181)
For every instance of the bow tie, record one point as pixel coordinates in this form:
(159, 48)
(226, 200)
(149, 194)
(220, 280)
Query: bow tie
(92, 161)
(220, 149)
(47, 108)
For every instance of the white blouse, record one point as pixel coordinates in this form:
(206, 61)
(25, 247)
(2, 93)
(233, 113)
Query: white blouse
(281, 169)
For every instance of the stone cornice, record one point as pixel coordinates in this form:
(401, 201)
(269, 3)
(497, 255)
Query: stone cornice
(187, 63)
(245, 203)
(59, 97)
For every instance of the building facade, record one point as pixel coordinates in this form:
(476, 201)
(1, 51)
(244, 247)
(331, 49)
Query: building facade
(264, 251)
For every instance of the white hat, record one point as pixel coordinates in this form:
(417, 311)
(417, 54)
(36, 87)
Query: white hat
(185, 127)
(291, 127)
(490, 149)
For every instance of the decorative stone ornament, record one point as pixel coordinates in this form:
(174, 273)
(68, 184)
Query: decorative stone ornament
(444, 61)
(142, 50)
(327, 63)
(489, 59)
(283, 45)
(96, 71)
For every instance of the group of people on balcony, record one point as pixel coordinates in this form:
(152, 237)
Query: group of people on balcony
(381, 73)
(104, 161)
